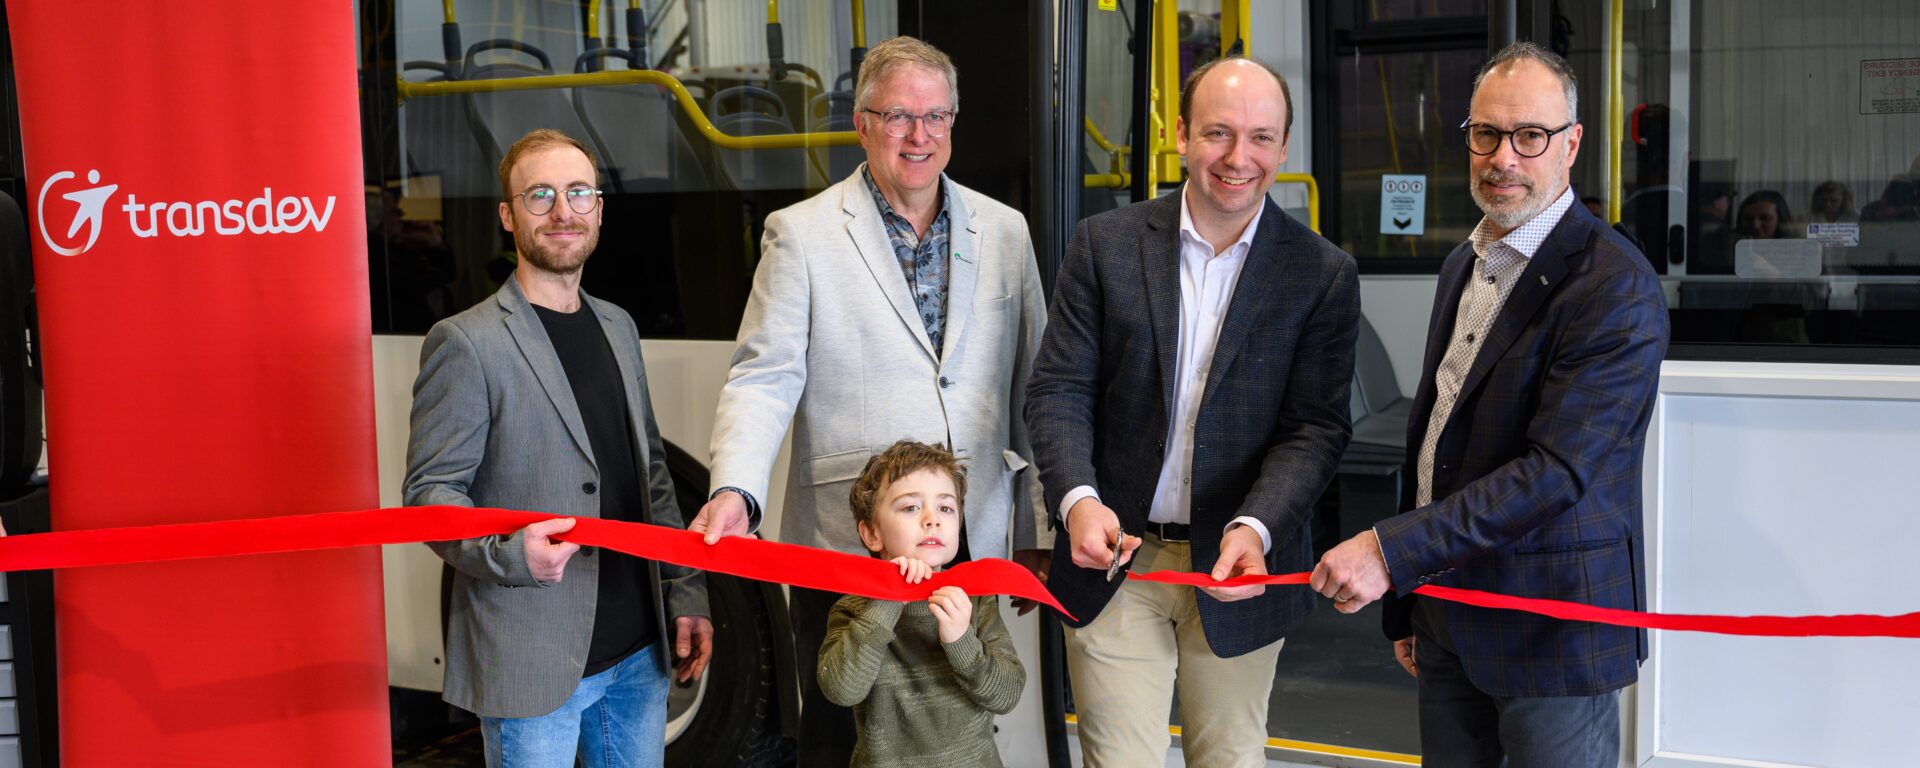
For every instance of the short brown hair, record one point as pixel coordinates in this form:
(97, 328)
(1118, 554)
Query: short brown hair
(904, 458)
(896, 53)
(1193, 84)
(536, 140)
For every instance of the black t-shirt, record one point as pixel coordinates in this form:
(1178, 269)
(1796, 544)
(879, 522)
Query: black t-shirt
(623, 622)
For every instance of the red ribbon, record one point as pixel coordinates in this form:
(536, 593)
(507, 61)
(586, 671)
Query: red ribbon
(771, 561)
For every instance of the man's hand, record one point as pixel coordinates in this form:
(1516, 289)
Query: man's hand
(1403, 653)
(1352, 574)
(1035, 560)
(692, 646)
(1091, 527)
(914, 570)
(952, 611)
(1240, 555)
(546, 558)
(723, 515)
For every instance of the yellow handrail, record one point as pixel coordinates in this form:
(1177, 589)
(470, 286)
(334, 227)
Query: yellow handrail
(859, 23)
(1123, 181)
(1616, 104)
(773, 11)
(1235, 16)
(446, 8)
(412, 90)
(593, 21)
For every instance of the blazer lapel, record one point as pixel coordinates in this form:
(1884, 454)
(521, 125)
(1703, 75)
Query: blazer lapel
(532, 339)
(1537, 282)
(1160, 263)
(963, 269)
(1250, 294)
(869, 236)
(626, 356)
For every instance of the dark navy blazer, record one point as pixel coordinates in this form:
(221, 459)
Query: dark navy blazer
(1273, 414)
(1536, 478)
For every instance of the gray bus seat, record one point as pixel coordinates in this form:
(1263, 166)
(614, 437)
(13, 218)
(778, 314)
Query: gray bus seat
(636, 131)
(746, 110)
(834, 112)
(444, 139)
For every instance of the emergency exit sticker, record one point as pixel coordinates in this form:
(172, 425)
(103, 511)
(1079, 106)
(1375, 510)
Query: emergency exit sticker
(1109, 5)
(1403, 204)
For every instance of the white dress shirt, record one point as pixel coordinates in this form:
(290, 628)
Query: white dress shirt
(1207, 280)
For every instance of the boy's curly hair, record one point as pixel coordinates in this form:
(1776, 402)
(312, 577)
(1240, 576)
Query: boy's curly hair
(901, 459)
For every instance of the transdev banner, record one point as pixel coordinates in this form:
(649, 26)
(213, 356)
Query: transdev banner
(195, 194)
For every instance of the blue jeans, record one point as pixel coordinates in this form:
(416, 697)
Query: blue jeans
(615, 719)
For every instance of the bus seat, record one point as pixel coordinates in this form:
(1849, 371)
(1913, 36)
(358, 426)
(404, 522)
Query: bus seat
(637, 134)
(747, 110)
(833, 111)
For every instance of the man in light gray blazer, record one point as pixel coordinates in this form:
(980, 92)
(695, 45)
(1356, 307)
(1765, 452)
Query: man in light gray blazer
(536, 399)
(894, 305)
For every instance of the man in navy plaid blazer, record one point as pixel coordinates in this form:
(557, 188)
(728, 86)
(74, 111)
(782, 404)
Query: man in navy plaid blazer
(1526, 435)
(1189, 403)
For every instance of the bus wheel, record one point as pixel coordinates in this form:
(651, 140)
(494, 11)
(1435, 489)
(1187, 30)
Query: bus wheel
(730, 717)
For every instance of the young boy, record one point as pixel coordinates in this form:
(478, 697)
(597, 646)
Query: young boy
(924, 679)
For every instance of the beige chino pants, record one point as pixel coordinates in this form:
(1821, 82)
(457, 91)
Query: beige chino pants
(1125, 665)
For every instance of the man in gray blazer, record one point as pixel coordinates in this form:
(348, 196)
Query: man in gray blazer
(894, 305)
(1189, 405)
(536, 399)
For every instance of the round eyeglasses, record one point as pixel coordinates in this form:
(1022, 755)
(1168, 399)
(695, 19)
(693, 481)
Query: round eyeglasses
(538, 200)
(899, 123)
(1527, 140)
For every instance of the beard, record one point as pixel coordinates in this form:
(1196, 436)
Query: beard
(551, 259)
(1510, 214)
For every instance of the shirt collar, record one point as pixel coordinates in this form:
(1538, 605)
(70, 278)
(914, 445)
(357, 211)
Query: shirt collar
(886, 208)
(1527, 238)
(1188, 232)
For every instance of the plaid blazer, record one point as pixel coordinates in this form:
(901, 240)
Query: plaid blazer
(1273, 415)
(1536, 478)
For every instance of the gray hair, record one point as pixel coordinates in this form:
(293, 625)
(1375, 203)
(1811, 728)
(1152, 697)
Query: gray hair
(1523, 50)
(898, 52)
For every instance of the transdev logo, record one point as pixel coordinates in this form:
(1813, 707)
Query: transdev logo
(263, 215)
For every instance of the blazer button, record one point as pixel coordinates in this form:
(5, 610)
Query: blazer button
(588, 488)
(945, 382)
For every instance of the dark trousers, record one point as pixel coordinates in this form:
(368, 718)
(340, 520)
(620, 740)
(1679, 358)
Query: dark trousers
(826, 729)
(1460, 725)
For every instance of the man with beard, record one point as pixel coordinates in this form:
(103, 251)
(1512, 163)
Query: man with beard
(1543, 357)
(535, 399)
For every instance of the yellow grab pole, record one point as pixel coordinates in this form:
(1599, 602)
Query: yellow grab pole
(1236, 16)
(1616, 107)
(859, 23)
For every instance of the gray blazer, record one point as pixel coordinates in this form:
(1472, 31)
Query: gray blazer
(832, 342)
(495, 424)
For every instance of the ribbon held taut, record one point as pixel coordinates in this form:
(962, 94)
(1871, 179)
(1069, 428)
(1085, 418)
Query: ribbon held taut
(773, 562)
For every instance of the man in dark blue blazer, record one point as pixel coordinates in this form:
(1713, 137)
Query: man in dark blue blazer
(1527, 434)
(1188, 404)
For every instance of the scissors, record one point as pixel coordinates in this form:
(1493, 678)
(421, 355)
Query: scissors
(1113, 568)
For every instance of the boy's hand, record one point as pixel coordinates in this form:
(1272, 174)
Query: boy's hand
(916, 571)
(953, 611)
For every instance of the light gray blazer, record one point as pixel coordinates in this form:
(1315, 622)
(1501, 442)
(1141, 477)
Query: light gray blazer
(495, 424)
(831, 341)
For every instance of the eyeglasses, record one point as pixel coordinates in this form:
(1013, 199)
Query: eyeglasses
(538, 200)
(900, 123)
(1527, 140)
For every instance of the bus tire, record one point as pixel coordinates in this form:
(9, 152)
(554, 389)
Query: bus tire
(737, 724)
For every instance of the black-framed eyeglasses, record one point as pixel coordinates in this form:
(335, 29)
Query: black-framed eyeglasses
(538, 200)
(899, 123)
(1526, 140)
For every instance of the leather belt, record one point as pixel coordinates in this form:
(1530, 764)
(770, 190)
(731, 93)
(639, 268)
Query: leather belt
(1176, 532)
